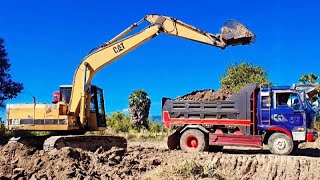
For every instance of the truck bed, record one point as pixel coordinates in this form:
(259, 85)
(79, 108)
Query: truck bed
(220, 109)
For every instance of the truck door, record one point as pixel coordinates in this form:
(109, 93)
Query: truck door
(265, 107)
(288, 111)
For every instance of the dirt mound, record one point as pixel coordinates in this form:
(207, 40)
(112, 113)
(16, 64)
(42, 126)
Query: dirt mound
(152, 161)
(17, 160)
(12, 155)
(206, 95)
(234, 166)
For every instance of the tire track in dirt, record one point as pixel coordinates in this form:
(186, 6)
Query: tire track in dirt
(266, 166)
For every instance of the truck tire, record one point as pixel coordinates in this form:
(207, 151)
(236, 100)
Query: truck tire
(193, 140)
(280, 144)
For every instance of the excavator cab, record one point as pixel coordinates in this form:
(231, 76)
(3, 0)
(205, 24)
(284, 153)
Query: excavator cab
(97, 110)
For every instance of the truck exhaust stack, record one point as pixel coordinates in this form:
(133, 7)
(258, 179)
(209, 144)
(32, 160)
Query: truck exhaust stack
(235, 33)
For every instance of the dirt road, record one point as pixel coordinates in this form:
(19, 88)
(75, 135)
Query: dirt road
(151, 160)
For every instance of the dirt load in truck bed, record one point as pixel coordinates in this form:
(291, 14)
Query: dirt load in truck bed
(151, 160)
(206, 95)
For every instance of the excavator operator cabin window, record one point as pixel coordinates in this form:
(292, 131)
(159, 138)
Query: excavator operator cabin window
(65, 94)
(92, 103)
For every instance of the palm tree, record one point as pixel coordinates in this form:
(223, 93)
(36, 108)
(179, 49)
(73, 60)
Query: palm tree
(139, 106)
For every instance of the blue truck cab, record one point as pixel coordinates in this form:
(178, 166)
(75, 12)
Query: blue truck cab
(286, 109)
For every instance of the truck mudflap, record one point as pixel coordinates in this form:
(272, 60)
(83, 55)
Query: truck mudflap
(235, 140)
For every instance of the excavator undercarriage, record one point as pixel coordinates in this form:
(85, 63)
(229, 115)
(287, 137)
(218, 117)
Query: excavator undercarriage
(85, 142)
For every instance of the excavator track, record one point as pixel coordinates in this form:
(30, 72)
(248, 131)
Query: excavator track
(85, 142)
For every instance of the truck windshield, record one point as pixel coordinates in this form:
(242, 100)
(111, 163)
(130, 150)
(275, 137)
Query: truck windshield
(292, 100)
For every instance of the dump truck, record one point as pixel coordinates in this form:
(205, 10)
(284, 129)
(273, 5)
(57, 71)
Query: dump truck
(280, 117)
(79, 107)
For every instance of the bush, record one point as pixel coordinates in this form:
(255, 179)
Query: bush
(156, 128)
(119, 122)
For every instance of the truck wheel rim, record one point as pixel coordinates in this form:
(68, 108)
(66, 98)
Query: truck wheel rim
(192, 142)
(280, 144)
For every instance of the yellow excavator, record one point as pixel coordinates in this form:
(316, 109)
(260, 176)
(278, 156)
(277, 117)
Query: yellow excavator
(79, 107)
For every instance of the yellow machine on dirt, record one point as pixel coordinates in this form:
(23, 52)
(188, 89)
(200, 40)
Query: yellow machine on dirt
(80, 106)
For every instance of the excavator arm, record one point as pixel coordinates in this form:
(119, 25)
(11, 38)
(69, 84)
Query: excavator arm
(108, 52)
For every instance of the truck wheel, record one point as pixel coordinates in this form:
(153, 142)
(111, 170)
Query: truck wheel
(280, 144)
(193, 140)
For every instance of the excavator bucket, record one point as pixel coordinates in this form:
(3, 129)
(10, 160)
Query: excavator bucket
(235, 33)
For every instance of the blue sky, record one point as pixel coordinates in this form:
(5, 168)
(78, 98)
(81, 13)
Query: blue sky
(47, 41)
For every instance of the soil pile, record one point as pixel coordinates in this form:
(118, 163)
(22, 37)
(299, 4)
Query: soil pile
(206, 95)
(19, 161)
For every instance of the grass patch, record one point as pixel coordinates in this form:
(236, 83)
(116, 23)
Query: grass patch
(188, 169)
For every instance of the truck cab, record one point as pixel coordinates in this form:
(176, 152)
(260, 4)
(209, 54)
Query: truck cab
(286, 109)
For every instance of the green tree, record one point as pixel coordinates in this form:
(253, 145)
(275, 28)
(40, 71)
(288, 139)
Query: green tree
(311, 79)
(139, 106)
(238, 75)
(119, 122)
(8, 88)
(308, 78)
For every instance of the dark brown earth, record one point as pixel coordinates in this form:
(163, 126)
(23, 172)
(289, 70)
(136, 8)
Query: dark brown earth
(206, 95)
(152, 160)
(20, 161)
